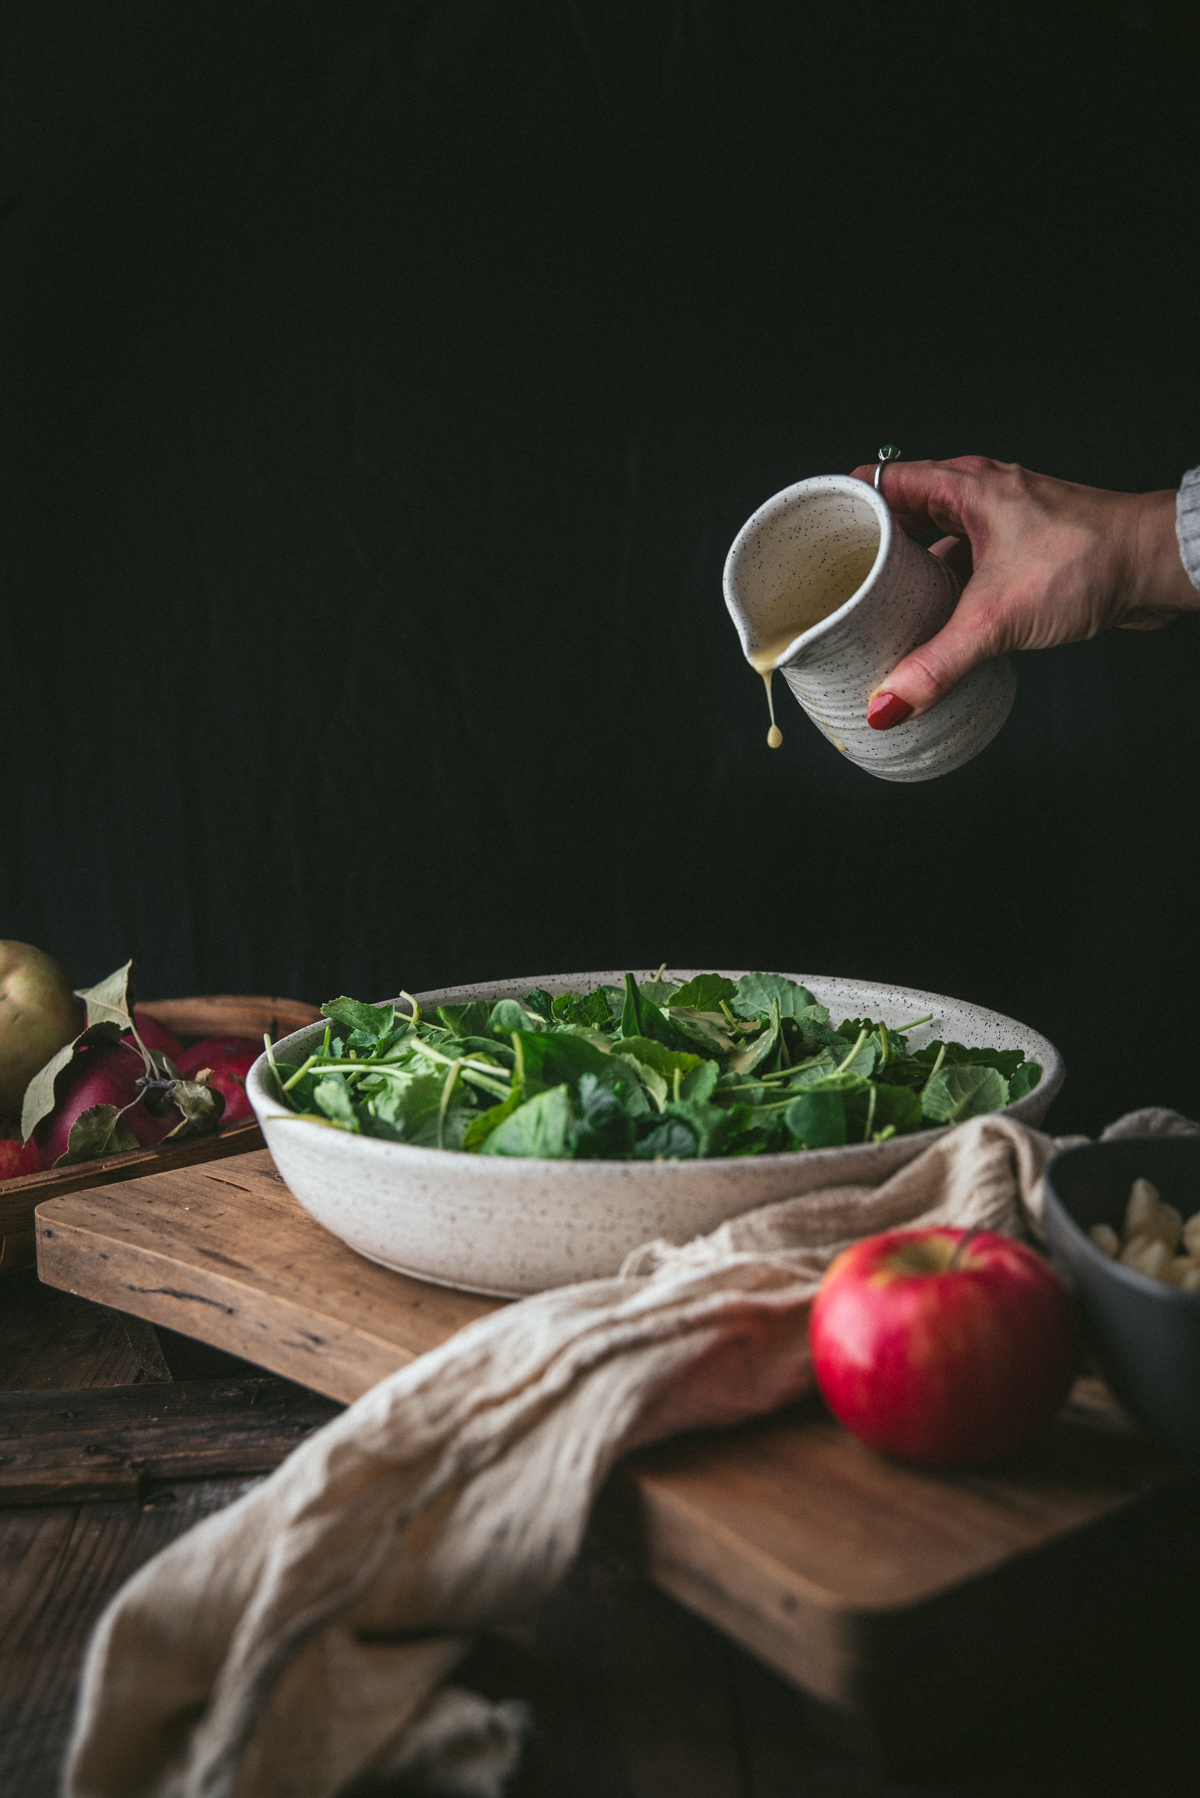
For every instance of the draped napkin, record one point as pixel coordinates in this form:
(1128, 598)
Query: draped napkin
(301, 1638)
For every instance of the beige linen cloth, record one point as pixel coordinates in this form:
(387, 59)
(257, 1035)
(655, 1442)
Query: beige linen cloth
(299, 1638)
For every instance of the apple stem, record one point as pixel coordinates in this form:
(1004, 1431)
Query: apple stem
(960, 1248)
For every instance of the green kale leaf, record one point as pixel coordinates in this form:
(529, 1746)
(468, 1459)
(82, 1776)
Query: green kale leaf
(1023, 1080)
(1005, 1061)
(506, 1016)
(963, 1091)
(755, 992)
(704, 992)
(373, 1021)
(818, 1119)
(468, 1020)
(541, 1128)
(605, 1129)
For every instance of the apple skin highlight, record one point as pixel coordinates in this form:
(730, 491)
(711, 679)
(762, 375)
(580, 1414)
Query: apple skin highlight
(947, 1362)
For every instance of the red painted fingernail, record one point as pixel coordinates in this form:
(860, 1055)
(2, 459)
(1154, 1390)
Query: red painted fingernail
(887, 709)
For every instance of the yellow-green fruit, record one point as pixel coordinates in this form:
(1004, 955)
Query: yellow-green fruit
(38, 1014)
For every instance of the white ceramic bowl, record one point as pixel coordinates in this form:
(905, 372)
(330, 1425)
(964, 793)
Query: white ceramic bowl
(508, 1227)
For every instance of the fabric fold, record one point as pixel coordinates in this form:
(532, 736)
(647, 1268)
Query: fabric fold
(288, 1644)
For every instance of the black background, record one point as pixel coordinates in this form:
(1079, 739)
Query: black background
(382, 387)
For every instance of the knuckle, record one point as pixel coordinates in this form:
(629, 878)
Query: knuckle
(924, 668)
(974, 465)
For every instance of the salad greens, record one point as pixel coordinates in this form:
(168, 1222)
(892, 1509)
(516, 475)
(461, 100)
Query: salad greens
(646, 1072)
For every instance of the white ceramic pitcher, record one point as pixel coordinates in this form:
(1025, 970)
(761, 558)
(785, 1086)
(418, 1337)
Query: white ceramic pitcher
(796, 544)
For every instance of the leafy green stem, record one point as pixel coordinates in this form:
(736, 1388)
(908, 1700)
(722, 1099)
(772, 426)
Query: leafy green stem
(300, 1072)
(448, 1088)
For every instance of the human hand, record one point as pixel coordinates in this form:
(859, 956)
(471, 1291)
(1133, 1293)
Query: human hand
(1040, 562)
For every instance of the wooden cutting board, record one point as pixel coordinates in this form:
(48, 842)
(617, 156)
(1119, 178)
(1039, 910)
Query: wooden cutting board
(851, 1575)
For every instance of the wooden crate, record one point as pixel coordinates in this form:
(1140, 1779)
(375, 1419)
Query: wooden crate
(219, 1014)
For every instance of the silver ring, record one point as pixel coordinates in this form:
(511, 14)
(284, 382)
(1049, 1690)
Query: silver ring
(889, 453)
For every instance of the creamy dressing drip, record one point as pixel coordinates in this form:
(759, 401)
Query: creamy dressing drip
(805, 606)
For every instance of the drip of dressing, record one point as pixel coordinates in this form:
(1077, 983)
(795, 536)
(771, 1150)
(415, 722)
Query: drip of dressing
(805, 606)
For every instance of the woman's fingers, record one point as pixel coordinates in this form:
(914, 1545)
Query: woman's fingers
(955, 552)
(1040, 562)
(930, 496)
(973, 635)
(914, 522)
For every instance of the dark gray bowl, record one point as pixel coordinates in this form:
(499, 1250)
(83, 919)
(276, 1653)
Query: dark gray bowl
(1145, 1335)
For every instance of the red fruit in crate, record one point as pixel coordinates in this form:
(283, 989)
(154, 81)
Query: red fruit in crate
(230, 1058)
(17, 1158)
(106, 1074)
(156, 1035)
(945, 1346)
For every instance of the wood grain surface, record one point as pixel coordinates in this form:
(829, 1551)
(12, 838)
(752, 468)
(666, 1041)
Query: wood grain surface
(787, 1534)
(122, 1441)
(52, 1339)
(251, 1015)
(229, 1256)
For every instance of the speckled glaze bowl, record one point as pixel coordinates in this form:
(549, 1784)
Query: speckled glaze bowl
(510, 1227)
(832, 668)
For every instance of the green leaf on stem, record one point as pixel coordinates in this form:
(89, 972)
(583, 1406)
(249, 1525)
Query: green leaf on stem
(704, 992)
(373, 1021)
(100, 1130)
(1024, 1080)
(963, 1091)
(110, 1001)
(540, 1128)
(754, 993)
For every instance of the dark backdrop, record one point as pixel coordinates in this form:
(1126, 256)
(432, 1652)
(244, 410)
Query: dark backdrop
(382, 387)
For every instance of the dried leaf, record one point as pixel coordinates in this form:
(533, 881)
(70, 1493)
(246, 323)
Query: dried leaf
(39, 1094)
(100, 1130)
(111, 1001)
(200, 1104)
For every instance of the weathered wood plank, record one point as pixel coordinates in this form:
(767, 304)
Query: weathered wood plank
(251, 1015)
(59, 1566)
(50, 1339)
(119, 1442)
(232, 1258)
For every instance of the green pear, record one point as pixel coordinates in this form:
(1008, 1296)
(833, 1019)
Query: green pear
(39, 1014)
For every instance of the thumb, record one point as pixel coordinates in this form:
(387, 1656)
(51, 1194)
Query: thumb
(925, 676)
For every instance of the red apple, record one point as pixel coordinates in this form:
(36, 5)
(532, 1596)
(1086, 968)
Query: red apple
(105, 1074)
(17, 1158)
(230, 1058)
(156, 1035)
(943, 1346)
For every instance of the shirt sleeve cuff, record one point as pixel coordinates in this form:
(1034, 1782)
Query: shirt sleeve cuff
(1187, 524)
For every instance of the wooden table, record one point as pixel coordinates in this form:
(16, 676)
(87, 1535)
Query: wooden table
(865, 1584)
